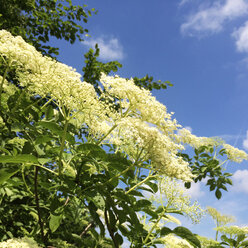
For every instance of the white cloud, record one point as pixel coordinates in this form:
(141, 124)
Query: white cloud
(195, 191)
(241, 37)
(110, 48)
(245, 141)
(240, 181)
(212, 19)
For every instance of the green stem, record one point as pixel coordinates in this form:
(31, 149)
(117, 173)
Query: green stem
(138, 184)
(24, 180)
(110, 130)
(217, 232)
(32, 104)
(38, 205)
(43, 167)
(62, 146)
(46, 103)
(154, 226)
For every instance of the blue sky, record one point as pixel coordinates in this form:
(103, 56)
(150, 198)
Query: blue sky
(202, 48)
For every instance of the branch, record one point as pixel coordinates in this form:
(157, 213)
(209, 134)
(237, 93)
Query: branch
(86, 230)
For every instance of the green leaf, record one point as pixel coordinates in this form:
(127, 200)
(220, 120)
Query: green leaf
(218, 194)
(185, 233)
(153, 186)
(43, 139)
(119, 238)
(6, 173)
(165, 231)
(54, 127)
(240, 238)
(20, 158)
(142, 204)
(244, 244)
(55, 221)
(49, 112)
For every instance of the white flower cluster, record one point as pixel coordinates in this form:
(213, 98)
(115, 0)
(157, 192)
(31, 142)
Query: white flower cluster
(235, 154)
(141, 126)
(19, 243)
(172, 241)
(174, 196)
(233, 230)
(221, 219)
(207, 242)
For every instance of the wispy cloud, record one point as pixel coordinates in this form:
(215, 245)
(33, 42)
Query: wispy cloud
(110, 48)
(211, 19)
(245, 142)
(231, 137)
(240, 182)
(241, 37)
(183, 2)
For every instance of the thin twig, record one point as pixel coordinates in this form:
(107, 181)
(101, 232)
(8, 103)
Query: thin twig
(86, 230)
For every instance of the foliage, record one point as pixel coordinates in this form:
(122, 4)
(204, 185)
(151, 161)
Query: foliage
(38, 20)
(233, 236)
(205, 164)
(73, 167)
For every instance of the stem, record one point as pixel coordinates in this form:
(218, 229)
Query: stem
(138, 184)
(4, 77)
(217, 232)
(32, 104)
(155, 224)
(110, 130)
(111, 233)
(24, 180)
(37, 203)
(45, 168)
(62, 147)
(86, 229)
(46, 103)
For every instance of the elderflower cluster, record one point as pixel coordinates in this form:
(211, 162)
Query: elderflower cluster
(172, 241)
(19, 243)
(221, 219)
(173, 195)
(233, 230)
(46, 77)
(18, 51)
(206, 242)
(235, 154)
(186, 137)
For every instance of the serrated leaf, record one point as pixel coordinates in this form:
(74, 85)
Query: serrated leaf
(6, 173)
(20, 158)
(55, 221)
